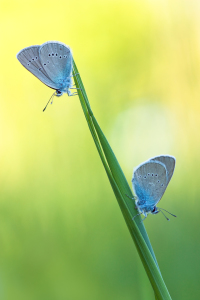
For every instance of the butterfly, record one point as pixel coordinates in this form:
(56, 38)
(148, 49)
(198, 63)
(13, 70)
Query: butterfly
(150, 180)
(51, 63)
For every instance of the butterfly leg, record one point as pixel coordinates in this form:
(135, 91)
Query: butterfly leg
(74, 75)
(72, 94)
(136, 216)
(143, 219)
(73, 88)
(132, 198)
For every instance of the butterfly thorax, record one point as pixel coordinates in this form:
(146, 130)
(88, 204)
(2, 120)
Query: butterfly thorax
(63, 86)
(145, 208)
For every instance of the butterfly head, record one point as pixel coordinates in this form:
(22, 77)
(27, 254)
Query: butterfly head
(58, 93)
(145, 207)
(154, 210)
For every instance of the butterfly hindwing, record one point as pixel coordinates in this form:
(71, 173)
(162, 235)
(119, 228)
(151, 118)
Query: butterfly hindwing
(150, 181)
(56, 59)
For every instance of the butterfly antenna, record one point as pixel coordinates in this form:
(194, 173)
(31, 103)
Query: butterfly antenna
(168, 212)
(164, 215)
(49, 101)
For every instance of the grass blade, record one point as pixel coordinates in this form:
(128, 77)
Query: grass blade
(121, 188)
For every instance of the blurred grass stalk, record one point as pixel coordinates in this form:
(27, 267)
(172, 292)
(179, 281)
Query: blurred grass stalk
(121, 189)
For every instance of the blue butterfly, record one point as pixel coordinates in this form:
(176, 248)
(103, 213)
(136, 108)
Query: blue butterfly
(150, 180)
(52, 64)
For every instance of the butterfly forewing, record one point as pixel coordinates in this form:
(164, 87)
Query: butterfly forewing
(29, 58)
(150, 181)
(169, 162)
(56, 59)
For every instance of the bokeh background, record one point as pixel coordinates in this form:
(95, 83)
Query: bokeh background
(62, 235)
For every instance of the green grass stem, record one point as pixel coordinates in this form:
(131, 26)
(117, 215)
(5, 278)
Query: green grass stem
(121, 188)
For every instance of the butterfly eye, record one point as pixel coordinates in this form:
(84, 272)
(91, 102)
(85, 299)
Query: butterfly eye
(148, 174)
(156, 175)
(152, 174)
(145, 177)
(158, 180)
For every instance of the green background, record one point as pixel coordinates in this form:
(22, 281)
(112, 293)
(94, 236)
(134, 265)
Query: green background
(140, 64)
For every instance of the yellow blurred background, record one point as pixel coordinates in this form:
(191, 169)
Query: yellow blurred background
(62, 235)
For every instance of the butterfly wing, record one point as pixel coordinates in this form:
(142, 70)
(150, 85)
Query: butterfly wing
(169, 162)
(56, 59)
(29, 58)
(150, 181)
